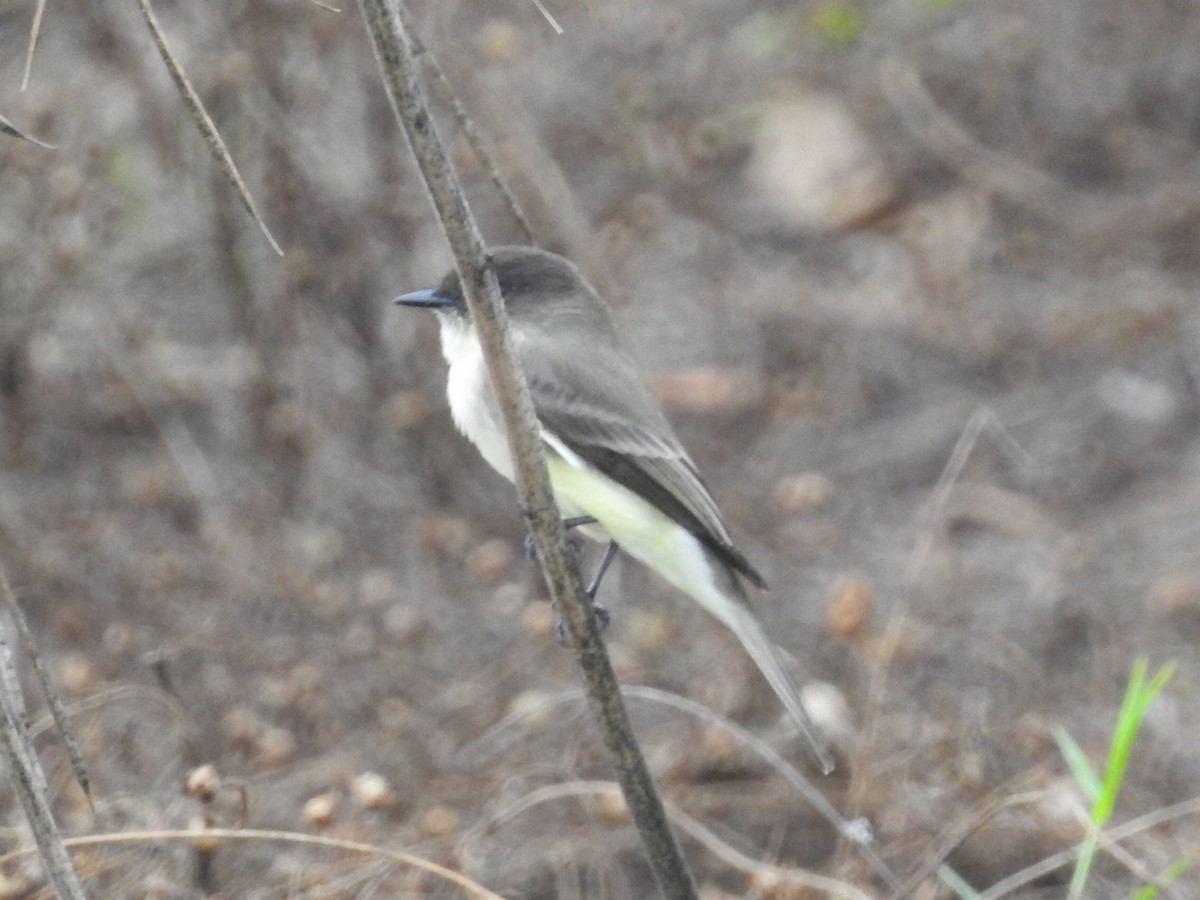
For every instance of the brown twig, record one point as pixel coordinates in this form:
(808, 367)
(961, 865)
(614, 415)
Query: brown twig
(204, 122)
(7, 127)
(27, 775)
(57, 711)
(218, 836)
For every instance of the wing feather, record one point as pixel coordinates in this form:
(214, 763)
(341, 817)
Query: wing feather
(615, 425)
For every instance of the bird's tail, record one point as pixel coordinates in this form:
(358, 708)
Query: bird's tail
(733, 611)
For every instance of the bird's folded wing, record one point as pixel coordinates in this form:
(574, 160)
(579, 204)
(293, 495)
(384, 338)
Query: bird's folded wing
(611, 421)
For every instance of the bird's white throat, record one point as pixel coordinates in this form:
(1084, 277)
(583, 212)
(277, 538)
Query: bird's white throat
(469, 391)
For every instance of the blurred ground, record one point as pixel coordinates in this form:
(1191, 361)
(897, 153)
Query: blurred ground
(857, 247)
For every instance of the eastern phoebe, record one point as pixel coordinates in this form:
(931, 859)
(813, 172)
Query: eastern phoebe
(611, 454)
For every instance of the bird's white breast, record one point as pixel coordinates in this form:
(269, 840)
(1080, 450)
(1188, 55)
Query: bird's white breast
(469, 390)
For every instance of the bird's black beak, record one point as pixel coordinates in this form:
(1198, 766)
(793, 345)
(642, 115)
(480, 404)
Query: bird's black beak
(425, 300)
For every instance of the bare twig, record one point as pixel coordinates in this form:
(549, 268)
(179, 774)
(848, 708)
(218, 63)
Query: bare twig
(204, 122)
(546, 15)
(28, 778)
(215, 836)
(7, 127)
(35, 29)
(928, 526)
(467, 125)
(766, 875)
(394, 51)
(57, 711)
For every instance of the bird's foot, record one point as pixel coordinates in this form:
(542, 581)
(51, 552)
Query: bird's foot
(573, 542)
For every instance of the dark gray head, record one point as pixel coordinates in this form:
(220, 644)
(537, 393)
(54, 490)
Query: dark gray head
(537, 286)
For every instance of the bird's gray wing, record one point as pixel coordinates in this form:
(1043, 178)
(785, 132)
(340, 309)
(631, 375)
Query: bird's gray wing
(611, 421)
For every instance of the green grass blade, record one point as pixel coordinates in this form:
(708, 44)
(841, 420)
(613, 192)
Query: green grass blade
(1139, 694)
(1085, 776)
(1170, 873)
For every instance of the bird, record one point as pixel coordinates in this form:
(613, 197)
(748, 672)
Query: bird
(616, 467)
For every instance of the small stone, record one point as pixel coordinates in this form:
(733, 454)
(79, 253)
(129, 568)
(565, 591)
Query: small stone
(508, 600)
(539, 621)
(490, 560)
(318, 811)
(711, 390)
(241, 726)
(1176, 595)
(500, 41)
(75, 673)
(611, 807)
(448, 536)
(439, 821)
(377, 587)
(848, 610)
(276, 746)
(806, 492)
(534, 707)
(404, 622)
(371, 790)
(815, 168)
(719, 749)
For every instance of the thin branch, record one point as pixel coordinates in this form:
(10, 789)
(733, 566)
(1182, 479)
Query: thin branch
(28, 777)
(927, 526)
(35, 29)
(394, 51)
(57, 712)
(546, 14)
(215, 836)
(208, 130)
(766, 875)
(467, 125)
(7, 127)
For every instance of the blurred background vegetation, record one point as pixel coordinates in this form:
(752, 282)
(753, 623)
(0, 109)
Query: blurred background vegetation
(856, 247)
